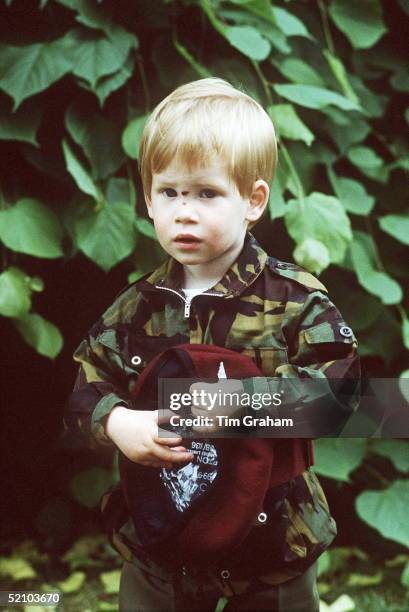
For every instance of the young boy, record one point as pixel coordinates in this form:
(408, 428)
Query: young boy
(207, 156)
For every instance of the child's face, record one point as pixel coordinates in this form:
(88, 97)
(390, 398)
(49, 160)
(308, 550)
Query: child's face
(200, 217)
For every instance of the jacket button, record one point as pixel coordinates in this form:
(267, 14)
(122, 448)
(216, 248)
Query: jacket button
(345, 331)
(184, 570)
(225, 574)
(262, 517)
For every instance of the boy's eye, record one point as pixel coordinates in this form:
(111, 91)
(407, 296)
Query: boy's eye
(209, 193)
(172, 195)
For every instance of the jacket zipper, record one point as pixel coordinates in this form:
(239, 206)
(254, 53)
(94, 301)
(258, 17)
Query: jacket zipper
(186, 302)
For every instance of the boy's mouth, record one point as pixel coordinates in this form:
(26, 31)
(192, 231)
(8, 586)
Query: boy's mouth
(187, 241)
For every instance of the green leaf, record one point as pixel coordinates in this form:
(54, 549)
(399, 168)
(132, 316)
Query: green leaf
(338, 70)
(395, 450)
(96, 56)
(112, 82)
(119, 190)
(289, 124)
(369, 163)
(314, 97)
(322, 218)
(352, 131)
(16, 568)
(36, 284)
(21, 125)
(362, 580)
(289, 23)
(15, 293)
(89, 485)
(106, 236)
(298, 71)
(352, 194)
(39, 333)
(361, 22)
(404, 578)
(145, 227)
(111, 580)
(405, 332)
(73, 583)
(98, 137)
(131, 136)
(386, 511)
(79, 174)
(248, 41)
(27, 70)
(396, 226)
(32, 228)
(312, 255)
(363, 254)
(338, 457)
(404, 384)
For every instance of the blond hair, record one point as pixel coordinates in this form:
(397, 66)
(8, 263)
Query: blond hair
(205, 118)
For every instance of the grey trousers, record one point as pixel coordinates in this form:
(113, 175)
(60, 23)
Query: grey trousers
(150, 588)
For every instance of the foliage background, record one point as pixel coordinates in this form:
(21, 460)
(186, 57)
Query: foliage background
(77, 80)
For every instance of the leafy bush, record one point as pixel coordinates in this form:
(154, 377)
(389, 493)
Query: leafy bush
(79, 77)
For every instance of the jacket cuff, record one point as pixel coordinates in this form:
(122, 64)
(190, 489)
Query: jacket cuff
(98, 417)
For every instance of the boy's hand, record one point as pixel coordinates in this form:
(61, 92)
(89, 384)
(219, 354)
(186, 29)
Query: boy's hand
(231, 409)
(135, 433)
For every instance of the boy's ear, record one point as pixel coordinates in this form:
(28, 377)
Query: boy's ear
(257, 201)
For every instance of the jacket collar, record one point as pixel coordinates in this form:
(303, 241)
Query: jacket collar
(243, 272)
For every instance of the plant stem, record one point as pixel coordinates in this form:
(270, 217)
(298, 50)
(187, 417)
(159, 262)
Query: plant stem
(294, 173)
(144, 84)
(325, 26)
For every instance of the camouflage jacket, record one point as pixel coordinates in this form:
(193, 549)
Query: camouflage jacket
(274, 312)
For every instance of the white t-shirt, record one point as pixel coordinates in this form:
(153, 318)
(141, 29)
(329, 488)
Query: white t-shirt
(188, 482)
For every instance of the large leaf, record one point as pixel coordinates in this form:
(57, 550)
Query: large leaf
(352, 194)
(21, 125)
(15, 293)
(248, 41)
(338, 457)
(106, 236)
(79, 174)
(88, 485)
(298, 71)
(131, 136)
(377, 282)
(29, 69)
(387, 511)
(322, 218)
(96, 55)
(110, 83)
(32, 228)
(314, 97)
(289, 23)
(99, 138)
(289, 124)
(361, 22)
(396, 226)
(39, 333)
(395, 450)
